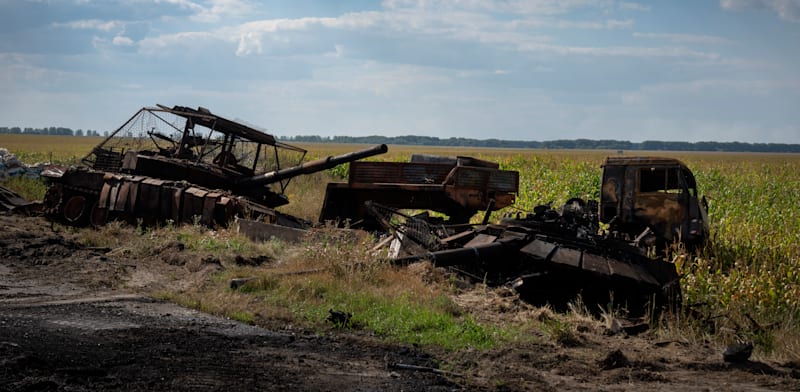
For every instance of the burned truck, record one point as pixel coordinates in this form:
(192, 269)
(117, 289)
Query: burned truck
(184, 165)
(611, 253)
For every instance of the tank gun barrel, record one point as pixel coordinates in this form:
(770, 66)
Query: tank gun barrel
(311, 167)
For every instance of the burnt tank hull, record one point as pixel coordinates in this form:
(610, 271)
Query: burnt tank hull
(207, 176)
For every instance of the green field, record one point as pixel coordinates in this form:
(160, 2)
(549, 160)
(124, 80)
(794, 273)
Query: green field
(746, 281)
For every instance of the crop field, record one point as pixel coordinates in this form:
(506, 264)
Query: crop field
(746, 282)
(57, 149)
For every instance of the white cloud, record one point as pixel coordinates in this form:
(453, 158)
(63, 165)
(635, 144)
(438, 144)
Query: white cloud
(99, 43)
(221, 9)
(619, 51)
(121, 40)
(249, 43)
(92, 24)
(217, 9)
(516, 34)
(536, 23)
(187, 40)
(339, 51)
(786, 9)
(524, 7)
(686, 38)
(183, 4)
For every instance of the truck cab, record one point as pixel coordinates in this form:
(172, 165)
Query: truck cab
(641, 194)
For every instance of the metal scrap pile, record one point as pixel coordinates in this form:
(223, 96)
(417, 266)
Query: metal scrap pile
(11, 166)
(548, 257)
(647, 205)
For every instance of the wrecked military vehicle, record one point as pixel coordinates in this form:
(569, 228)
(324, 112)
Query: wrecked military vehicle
(456, 187)
(183, 165)
(611, 253)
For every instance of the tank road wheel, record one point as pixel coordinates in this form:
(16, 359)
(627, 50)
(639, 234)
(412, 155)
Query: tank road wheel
(53, 199)
(75, 209)
(98, 216)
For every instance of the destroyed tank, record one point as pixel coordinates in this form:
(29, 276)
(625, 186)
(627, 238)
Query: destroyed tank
(183, 165)
(612, 253)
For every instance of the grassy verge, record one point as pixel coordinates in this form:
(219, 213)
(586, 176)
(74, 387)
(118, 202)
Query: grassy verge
(333, 270)
(28, 188)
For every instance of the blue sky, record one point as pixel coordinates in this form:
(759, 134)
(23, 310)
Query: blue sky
(724, 70)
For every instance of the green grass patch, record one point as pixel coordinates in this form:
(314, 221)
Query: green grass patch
(403, 319)
(28, 188)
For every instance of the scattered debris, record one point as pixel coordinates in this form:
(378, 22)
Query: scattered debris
(612, 253)
(11, 166)
(630, 327)
(239, 282)
(261, 231)
(252, 261)
(339, 318)
(11, 201)
(738, 352)
(615, 359)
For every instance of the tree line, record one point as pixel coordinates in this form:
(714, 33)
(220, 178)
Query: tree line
(575, 144)
(415, 140)
(49, 131)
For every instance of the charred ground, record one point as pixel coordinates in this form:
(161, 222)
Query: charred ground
(73, 317)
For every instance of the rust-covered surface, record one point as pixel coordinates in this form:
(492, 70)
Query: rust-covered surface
(184, 165)
(457, 187)
(549, 258)
(552, 256)
(656, 193)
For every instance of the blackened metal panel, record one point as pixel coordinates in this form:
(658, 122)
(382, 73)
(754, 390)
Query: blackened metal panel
(481, 239)
(469, 177)
(149, 196)
(504, 181)
(209, 205)
(133, 194)
(538, 249)
(485, 178)
(112, 197)
(596, 264)
(398, 173)
(567, 256)
(193, 203)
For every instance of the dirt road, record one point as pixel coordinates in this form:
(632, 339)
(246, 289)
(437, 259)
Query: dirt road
(68, 324)
(64, 325)
(134, 343)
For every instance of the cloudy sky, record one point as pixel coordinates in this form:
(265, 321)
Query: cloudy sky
(724, 70)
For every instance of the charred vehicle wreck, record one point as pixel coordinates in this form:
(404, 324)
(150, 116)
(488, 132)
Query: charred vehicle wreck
(611, 253)
(456, 187)
(183, 165)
